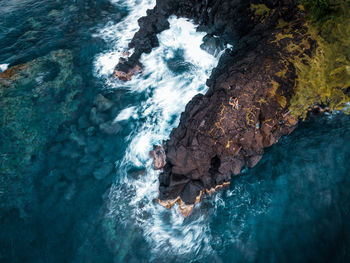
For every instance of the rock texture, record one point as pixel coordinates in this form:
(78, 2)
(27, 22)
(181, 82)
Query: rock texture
(159, 157)
(214, 139)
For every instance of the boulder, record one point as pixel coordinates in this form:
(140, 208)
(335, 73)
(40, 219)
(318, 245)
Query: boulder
(159, 157)
(212, 45)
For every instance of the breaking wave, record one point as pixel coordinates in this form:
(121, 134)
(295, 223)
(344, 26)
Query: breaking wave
(173, 73)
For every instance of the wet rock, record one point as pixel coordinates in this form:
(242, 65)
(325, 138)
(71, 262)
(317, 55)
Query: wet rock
(103, 171)
(126, 75)
(252, 161)
(213, 45)
(158, 155)
(190, 192)
(102, 103)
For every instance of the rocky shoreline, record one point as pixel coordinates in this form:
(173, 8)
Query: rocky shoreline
(246, 107)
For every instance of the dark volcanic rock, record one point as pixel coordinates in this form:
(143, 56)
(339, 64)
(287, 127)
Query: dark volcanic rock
(219, 17)
(158, 155)
(246, 106)
(213, 45)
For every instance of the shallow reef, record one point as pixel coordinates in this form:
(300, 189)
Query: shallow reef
(36, 98)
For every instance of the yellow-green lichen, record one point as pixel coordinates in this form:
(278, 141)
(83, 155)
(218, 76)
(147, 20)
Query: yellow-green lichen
(260, 10)
(274, 87)
(282, 23)
(280, 36)
(324, 78)
(282, 101)
(284, 69)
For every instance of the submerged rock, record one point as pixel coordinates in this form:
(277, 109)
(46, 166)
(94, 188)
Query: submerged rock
(84, 170)
(102, 103)
(77, 138)
(90, 131)
(105, 169)
(97, 117)
(83, 122)
(36, 98)
(93, 145)
(110, 127)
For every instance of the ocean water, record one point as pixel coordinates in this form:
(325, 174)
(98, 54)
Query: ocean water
(88, 192)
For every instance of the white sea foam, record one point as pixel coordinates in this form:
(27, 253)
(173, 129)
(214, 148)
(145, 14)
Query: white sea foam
(126, 114)
(119, 35)
(3, 67)
(169, 92)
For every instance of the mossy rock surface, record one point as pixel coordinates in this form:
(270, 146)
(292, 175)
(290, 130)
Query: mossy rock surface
(323, 77)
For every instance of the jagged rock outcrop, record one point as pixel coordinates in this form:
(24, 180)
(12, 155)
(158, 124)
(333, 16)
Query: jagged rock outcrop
(220, 17)
(246, 107)
(159, 157)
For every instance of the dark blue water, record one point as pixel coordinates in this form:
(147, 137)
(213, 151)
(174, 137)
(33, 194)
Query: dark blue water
(83, 191)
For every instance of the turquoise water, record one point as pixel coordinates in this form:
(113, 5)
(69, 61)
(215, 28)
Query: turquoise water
(87, 194)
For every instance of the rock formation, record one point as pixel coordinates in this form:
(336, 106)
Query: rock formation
(159, 157)
(216, 138)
